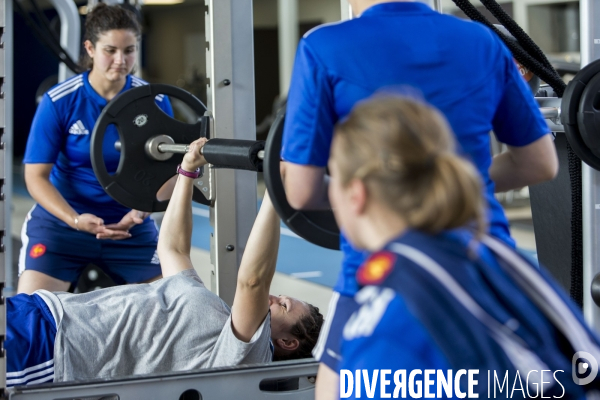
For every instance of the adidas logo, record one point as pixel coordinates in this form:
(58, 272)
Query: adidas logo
(78, 129)
(155, 259)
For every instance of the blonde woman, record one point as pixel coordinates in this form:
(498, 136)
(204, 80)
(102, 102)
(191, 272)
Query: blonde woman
(438, 296)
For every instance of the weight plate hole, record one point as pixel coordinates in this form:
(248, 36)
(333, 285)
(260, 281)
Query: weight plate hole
(181, 111)
(164, 193)
(111, 151)
(596, 103)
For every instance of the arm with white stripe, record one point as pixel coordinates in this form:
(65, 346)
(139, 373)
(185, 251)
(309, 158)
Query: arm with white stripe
(43, 147)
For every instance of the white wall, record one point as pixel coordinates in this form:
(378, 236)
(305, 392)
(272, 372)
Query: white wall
(265, 12)
(172, 32)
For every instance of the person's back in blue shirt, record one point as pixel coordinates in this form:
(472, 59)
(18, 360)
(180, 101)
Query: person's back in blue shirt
(460, 67)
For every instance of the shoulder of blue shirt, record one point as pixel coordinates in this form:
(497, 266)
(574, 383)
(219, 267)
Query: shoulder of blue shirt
(73, 84)
(339, 29)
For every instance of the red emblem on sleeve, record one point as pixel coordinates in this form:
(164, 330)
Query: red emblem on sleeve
(376, 268)
(37, 250)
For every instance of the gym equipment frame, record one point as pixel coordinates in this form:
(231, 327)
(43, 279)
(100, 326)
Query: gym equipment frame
(230, 70)
(286, 380)
(230, 61)
(589, 14)
(5, 160)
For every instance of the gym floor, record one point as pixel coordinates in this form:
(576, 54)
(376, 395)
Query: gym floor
(304, 271)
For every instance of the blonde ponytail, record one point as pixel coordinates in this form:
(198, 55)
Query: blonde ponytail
(404, 152)
(453, 199)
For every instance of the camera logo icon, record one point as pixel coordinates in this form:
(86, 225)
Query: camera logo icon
(585, 368)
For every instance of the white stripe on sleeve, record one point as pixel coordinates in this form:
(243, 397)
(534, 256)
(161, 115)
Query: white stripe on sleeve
(29, 377)
(30, 369)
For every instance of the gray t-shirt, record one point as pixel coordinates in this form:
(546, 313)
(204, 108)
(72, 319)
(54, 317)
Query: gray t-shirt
(173, 324)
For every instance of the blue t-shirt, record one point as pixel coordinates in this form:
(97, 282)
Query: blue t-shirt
(383, 335)
(460, 67)
(61, 134)
(413, 315)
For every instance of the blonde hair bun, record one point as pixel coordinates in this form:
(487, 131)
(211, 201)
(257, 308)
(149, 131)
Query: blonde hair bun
(404, 151)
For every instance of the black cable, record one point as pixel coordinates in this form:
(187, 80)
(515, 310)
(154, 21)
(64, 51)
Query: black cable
(524, 40)
(549, 75)
(576, 289)
(52, 34)
(539, 65)
(574, 162)
(528, 45)
(57, 51)
(45, 23)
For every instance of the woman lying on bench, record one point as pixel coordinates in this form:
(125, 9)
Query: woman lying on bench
(174, 324)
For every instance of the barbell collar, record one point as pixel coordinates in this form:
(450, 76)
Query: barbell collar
(153, 145)
(550, 112)
(176, 148)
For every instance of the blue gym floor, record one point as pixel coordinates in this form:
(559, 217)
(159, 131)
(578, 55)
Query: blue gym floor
(297, 257)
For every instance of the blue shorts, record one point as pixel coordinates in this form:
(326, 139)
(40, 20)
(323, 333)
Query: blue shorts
(30, 334)
(61, 252)
(328, 348)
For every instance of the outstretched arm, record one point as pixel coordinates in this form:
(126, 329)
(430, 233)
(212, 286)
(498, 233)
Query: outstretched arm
(174, 241)
(328, 384)
(305, 186)
(251, 301)
(524, 166)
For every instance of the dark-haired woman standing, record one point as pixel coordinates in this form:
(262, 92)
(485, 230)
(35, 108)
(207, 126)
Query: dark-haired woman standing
(74, 221)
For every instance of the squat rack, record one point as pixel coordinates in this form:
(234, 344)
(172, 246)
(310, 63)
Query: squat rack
(230, 72)
(589, 15)
(6, 142)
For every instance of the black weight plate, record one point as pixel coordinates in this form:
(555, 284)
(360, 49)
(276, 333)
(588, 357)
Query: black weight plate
(317, 227)
(596, 289)
(137, 119)
(571, 105)
(588, 117)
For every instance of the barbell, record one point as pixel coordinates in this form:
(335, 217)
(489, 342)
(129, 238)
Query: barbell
(149, 156)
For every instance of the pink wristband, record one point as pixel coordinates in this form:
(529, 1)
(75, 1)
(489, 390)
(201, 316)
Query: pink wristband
(189, 174)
